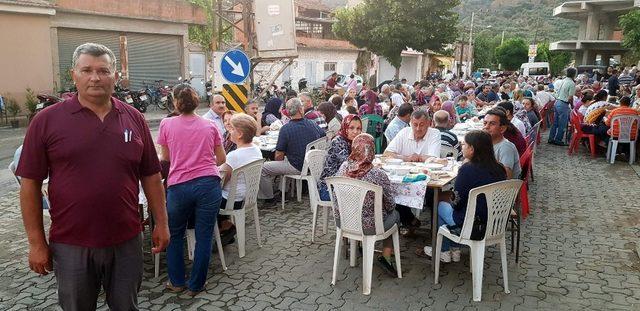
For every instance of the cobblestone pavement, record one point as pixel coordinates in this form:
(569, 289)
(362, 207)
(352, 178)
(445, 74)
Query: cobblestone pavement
(579, 252)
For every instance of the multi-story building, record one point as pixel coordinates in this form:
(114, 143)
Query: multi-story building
(599, 33)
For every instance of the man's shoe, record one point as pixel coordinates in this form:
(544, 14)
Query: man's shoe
(561, 144)
(387, 266)
(444, 256)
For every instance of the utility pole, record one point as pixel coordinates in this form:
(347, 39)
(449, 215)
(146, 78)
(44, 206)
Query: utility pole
(470, 61)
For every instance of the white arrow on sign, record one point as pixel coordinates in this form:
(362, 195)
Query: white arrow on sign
(237, 68)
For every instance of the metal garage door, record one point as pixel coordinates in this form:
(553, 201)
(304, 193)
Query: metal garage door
(151, 57)
(69, 39)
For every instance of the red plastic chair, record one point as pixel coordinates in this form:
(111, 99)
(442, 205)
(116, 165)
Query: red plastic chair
(547, 111)
(578, 135)
(519, 214)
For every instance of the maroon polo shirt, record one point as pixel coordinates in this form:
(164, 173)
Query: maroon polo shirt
(93, 172)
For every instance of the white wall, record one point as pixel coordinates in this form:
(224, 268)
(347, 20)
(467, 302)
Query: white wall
(409, 69)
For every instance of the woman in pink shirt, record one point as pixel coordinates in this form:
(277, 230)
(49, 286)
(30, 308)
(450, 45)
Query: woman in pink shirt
(193, 146)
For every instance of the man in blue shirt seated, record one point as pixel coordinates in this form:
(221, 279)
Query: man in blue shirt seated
(292, 143)
(487, 96)
(399, 122)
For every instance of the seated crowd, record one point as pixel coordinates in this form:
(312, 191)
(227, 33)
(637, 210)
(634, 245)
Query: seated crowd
(413, 122)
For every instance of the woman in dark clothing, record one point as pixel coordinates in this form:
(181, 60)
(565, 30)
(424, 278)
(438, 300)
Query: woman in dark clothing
(481, 169)
(272, 111)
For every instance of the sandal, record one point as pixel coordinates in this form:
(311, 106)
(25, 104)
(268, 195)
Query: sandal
(420, 253)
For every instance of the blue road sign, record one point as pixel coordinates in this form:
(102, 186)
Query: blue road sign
(235, 66)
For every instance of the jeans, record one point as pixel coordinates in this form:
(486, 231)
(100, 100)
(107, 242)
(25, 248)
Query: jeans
(445, 217)
(201, 198)
(560, 121)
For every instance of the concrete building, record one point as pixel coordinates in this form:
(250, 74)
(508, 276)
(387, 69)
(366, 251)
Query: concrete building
(599, 33)
(38, 39)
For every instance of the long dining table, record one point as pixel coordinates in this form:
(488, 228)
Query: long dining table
(412, 193)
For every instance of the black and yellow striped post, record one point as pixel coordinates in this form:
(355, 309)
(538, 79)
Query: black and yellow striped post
(235, 96)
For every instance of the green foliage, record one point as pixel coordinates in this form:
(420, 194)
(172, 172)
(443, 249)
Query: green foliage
(528, 19)
(512, 53)
(31, 101)
(630, 24)
(11, 104)
(387, 27)
(203, 34)
(484, 50)
(557, 60)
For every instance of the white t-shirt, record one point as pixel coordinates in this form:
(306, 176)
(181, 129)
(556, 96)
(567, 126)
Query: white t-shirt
(397, 99)
(236, 159)
(543, 98)
(405, 145)
(519, 125)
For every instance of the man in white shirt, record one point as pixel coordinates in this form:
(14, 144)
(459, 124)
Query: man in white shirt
(217, 107)
(416, 143)
(543, 97)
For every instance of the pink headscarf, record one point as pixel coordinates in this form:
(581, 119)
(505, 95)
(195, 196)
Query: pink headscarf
(450, 108)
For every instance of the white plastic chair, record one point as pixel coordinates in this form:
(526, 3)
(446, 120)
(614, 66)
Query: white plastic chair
(251, 173)
(318, 144)
(191, 242)
(448, 151)
(315, 161)
(348, 194)
(625, 124)
(45, 193)
(500, 198)
(13, 168)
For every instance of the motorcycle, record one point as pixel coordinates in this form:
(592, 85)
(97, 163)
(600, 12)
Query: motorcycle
(46, 100)
(140, 100)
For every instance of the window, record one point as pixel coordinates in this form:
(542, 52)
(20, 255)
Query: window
(330, 67)
(538, 71)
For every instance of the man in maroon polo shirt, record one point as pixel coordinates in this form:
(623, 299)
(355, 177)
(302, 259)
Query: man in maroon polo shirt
(95, 150)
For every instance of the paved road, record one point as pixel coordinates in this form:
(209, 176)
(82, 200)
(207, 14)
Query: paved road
(578, 253)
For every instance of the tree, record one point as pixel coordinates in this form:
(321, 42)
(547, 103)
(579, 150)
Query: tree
(204, 34)
(484, 50)
(512, 53)
(387, 27)
(630, 24)
(557, 60)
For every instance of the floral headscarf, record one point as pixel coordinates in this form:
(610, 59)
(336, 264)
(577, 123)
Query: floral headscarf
(363, 152)
(344, 126)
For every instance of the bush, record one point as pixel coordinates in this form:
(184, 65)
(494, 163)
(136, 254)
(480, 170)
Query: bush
(13, 109)
(31, 101)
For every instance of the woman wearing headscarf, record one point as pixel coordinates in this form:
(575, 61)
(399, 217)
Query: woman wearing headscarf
(339, 150)
(449, 107)
(328, 110)
(359, 166)
(272, 111)
(371, 105)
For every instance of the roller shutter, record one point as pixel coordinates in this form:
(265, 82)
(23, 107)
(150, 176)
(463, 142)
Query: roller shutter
(151, 57)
